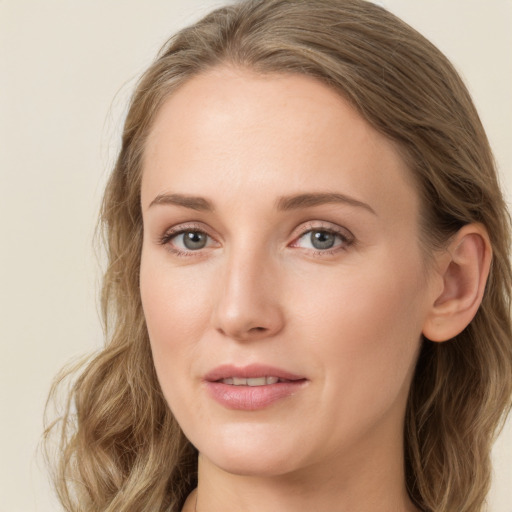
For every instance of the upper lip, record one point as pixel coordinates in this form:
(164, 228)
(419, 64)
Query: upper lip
(249, 372)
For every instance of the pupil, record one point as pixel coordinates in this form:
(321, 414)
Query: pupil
(322, 239)
(194, 240)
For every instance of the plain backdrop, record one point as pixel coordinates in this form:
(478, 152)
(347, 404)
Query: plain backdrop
(66, 71)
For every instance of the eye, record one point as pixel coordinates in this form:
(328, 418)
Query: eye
(184, 241)
(322, 239)
(191, 240)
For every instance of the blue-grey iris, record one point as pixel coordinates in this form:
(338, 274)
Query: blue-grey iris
(322, 239)
(194, 240)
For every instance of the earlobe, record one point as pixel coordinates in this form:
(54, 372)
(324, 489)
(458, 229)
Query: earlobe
(464, 269)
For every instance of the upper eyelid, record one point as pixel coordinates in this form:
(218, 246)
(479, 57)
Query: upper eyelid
(322, 226)
(188, 226)
(296, 233)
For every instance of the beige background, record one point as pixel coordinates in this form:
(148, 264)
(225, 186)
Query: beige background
(66, 70)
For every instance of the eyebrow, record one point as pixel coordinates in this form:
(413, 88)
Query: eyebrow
(192, 202)
(284, 203)
(315, 199)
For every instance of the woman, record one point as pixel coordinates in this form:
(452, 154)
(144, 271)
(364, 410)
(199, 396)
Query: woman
(308, 288)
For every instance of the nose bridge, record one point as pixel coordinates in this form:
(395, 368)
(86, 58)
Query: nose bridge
(247, 303)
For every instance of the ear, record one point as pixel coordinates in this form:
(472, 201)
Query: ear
(463, 270)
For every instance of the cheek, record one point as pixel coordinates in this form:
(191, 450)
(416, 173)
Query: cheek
(176, 308)
(365, 329)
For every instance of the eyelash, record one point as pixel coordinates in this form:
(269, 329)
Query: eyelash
(346, 238)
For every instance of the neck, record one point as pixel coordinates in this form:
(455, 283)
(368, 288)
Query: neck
(352, 482)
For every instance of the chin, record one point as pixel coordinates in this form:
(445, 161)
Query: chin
(244, 452)
(250, 464)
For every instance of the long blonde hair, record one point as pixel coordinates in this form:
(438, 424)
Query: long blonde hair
(120, 447)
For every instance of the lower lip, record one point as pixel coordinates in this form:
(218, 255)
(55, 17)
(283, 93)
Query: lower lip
(252, 398)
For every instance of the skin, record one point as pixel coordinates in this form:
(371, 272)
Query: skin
(348, 319)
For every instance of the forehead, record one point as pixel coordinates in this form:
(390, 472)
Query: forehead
(232, 130)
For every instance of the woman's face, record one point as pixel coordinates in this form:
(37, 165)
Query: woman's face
(282, 279)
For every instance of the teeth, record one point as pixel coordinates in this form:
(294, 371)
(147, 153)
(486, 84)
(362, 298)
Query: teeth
(257, 381)
(254, 381)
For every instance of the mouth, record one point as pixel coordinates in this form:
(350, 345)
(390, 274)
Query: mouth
(254, 381)
(251, 387)
(251, 375)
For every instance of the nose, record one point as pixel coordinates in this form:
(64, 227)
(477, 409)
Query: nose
(248, 305)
